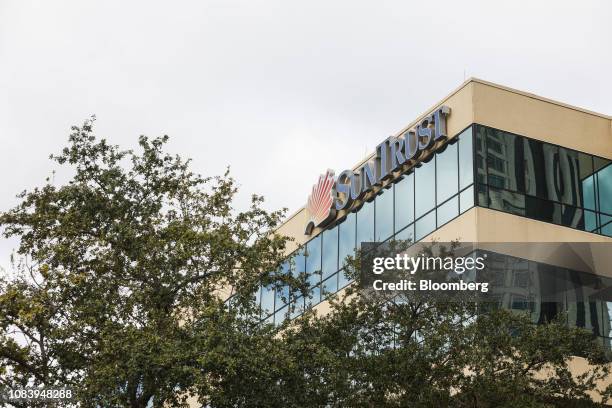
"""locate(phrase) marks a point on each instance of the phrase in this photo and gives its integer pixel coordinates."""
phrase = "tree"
(119, 273)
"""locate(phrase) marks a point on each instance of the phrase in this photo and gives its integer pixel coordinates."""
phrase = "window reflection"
(346, 243)
(541, 161)
(384, 214)
(466, 199)
(365, 223)
(466, 162)
(267, 300)
(313, 260)
(448, 211)
(425, 225)
(446, 173)
(330, 285)
(425, 188)
(329, 252)
(560, 185)
(404, 202)
(604, 182)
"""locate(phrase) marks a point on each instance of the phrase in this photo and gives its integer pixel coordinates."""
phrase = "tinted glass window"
(425, 225)
(604, 182)
(574, 168)
(330, 252)
(507, 201)
(280, 316)
(590, 221)
(448, 211)
(404, 202)
(330, 285)
(572, 216)
(407, 234)
(313, 260)
(543, 210)
(466, 161)
(267, 301)
(425, 188)
(346, 238)
(588, 191)
(541, 164)
(343, 280)
(446, 173)
(480, 159)
(504, 160)
(365, 223)
(606, 225)
(314, 296)
(384, 214)
(466, 199)
(298, 263)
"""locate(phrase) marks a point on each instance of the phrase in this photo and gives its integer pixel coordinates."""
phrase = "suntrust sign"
(330, 195)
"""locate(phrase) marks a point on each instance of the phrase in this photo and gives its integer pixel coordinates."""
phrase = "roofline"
(459, 88)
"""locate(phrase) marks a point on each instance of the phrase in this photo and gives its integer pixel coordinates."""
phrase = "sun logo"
(320, 204)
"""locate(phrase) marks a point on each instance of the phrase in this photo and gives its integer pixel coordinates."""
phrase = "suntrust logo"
(321, 202)
(391, 156)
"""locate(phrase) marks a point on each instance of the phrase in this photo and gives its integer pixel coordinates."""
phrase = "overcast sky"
(290, 88)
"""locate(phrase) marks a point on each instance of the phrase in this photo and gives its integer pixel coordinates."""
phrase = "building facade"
(496, 165)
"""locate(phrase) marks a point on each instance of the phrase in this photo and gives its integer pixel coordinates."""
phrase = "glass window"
(404, 201)
(481, 170)
(590, 221)
(588, 191)
(572, 217)
(574, 167)
(466, 162)
(329, 252)
(447, 181)
(314, 296)
(425, 188)
(541, 163)
(346, 238)
(267, 301)
(505, 160)
(466, 199)
(604, 184)
(313, 260)
(365, 223)
(606, 225)
(298, 263)
(258, 297)
(280, 316)
(384, 215)
(425, 225)
(297, 308)
(407, 234)
(448, 211)
(343, 280)
(330, 285)
(282, 292)
(507, 201)
(543, 210)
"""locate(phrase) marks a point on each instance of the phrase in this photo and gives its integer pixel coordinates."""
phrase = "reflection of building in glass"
(548, 292)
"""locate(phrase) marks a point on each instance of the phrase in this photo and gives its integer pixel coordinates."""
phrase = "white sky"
(279, 90)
